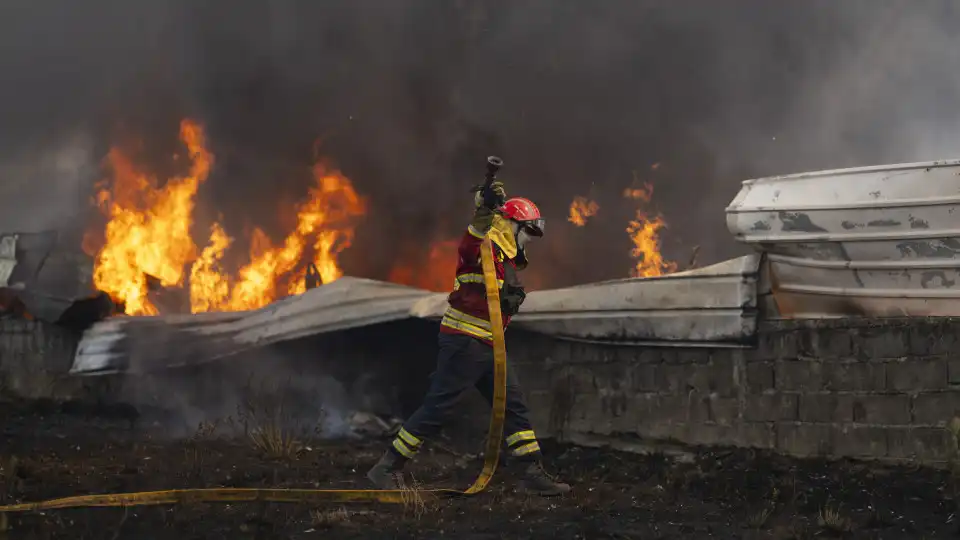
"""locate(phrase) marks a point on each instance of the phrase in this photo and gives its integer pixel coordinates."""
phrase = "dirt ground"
(49, 451)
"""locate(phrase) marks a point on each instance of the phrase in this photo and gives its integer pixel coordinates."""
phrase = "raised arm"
(486, 202)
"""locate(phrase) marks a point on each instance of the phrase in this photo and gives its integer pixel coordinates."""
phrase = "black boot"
(384, 474)
(534, 479)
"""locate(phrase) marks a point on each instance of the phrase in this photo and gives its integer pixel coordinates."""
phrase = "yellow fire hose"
(175, 496)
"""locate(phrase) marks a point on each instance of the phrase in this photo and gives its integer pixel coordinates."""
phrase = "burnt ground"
(62, 451)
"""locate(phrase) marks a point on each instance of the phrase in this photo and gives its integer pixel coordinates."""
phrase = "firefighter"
(465, 357)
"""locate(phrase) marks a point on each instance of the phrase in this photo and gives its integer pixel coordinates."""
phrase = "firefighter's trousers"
(464, 362)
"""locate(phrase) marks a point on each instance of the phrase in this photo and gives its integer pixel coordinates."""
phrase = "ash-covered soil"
(49, 451)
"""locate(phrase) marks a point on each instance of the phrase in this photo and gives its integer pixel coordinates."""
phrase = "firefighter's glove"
(510, 300)
(491, 198)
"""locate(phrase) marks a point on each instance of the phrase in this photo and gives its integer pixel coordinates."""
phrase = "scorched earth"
(49, 451)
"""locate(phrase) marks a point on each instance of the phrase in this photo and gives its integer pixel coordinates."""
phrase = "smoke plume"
(408, 97)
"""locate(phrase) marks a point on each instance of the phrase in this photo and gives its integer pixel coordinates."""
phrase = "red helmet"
(524, 212)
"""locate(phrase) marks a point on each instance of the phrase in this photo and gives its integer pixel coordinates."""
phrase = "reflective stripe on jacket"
(468, 313)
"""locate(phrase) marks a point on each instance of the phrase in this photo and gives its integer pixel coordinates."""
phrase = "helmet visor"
(534, 227)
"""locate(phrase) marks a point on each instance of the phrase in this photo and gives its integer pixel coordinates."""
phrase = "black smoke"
(409, 97)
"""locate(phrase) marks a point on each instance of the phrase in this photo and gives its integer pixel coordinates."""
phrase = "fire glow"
(435, 273)
(148, 234)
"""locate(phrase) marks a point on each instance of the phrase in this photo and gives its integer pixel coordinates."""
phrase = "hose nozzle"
(493, 165)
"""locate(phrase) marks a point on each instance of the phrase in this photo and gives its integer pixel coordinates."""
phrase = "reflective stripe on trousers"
(464, 363)
(406, 444)
(523, 443)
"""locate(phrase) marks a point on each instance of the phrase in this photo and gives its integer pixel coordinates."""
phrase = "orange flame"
(327, 217)
(209, 288)
(149, 226)
(644, 231)
(148, 234)
(644, 193)
(580, 209)
(436, 272)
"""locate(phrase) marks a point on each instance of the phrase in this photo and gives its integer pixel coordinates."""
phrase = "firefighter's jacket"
(467, 312)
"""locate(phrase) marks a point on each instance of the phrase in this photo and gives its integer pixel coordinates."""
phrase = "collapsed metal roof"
(874, 241)
(715, 306)
(8, 258)
(139, 344)
(50, 276)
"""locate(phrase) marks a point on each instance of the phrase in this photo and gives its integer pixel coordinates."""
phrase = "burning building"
(886, 237)
(148, 251)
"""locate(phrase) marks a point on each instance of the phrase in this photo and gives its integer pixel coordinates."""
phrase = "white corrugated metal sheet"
(116, 343)
(8, 258)
(48, 271)
(148, 343)
(345, 303)
(102, 349)
(872, 241)
(712, 305)
(715, 305)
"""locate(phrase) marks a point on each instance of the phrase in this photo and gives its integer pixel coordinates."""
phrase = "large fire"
(580, 209)
(325, 227)
(644, 231)
(149, 228)
(147, 244)
(148, 238)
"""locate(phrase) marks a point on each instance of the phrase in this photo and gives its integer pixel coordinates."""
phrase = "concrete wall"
(857, 388)
(35, 358)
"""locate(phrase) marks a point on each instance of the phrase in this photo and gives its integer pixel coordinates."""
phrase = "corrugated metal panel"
(430, 307)
(115, 344)
(33, 251)
(345, 303)
(102, 349)
(8, 258)
(711, 305)
(873, 241)
(150, 343)
(49, 273)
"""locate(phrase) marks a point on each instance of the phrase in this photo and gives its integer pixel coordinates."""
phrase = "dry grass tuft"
(329, 518)
(413, 498)
(268, 426)
(193, 459)
(759, 520)
(953, 459)
(206, 430)
(10, 483)
(954, 455)
(832, 520)
(274, 441)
